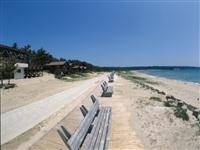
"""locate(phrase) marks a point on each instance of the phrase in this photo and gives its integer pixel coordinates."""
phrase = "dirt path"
(17, 121)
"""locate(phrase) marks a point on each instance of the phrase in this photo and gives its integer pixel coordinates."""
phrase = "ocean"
(188, 74)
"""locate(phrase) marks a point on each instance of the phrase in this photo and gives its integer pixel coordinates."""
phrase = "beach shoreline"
(187, 91)
(168, 78)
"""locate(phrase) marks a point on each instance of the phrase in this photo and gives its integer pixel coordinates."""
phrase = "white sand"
(186, 91)
(33, 89)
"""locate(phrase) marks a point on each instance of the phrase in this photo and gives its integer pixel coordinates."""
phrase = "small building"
(65, 67)
(19, 71)
(61, 66)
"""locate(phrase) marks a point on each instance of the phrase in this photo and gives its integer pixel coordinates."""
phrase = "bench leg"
(84, 108)
(66, 132)
(83, 111)
(93, 98)
(63, 137)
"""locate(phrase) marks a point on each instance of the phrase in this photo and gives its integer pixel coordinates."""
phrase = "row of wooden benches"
(93, 131)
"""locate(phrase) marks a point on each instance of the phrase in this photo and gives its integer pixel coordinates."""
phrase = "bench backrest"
(112, 74)
(104, 87)
(75, 141)
(110, 78)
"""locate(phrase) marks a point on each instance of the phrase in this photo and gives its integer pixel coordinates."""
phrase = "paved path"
(16, 122)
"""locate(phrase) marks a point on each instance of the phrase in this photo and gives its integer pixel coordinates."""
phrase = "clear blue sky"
(106, 33)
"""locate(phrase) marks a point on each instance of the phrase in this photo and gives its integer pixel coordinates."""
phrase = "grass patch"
(138, 78)
(167, 104)
(158, 99)
(8, 86)
(198, 126)
(1, 86)
(151, 82)
(75, 77)
(181, 113)
(170, 104)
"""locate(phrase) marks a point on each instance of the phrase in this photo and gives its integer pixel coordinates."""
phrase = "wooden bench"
(107, 90)
(93, 131)
(111, 77)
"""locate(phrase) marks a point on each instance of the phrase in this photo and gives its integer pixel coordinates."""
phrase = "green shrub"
(58, 74)
(181, 113)
(167, 104)
(8, 86)
(158, 99)
(137, 78)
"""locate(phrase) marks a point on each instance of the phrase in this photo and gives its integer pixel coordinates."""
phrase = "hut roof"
(56, 63)
(21, 65)
(75, 67)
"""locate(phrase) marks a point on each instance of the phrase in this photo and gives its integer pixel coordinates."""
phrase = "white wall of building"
(19, 71)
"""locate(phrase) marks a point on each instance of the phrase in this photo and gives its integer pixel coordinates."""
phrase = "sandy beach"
(140, 118)
(34, 89)
(156, 124)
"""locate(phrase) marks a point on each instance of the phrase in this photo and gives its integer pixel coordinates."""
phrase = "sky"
(107, 32)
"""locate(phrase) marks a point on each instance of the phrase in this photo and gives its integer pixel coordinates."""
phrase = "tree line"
(34, 57)
(41, 57)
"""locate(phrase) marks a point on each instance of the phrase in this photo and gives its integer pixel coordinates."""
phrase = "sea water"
(185, 74)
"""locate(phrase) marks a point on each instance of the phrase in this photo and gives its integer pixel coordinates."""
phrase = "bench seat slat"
(100, 133)
(89, 137)
(95, 130)
(105, 131)
(109, 129)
